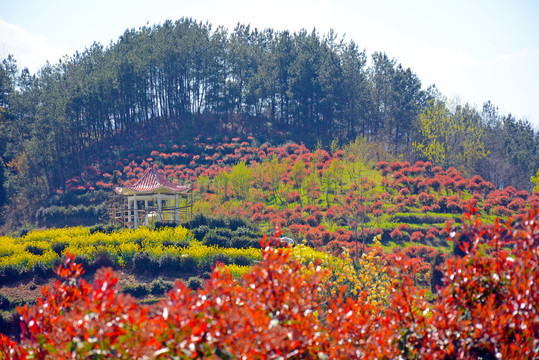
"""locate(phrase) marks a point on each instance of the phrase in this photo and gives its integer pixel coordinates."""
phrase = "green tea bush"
(32, 249)
(159, 287)
(200, 231)
(170, 264)
(142, 262)
(41, 270)
(242, 260)
(222, 258)
(138, 290)
(195, 283)
(188, 264)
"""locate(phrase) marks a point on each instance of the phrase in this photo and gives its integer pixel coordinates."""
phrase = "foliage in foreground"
(488, 309)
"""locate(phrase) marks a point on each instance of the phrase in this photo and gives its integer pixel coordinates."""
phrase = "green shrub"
(138, 290)
(142, 262)
(195, 283)
(198, 220)
(188, 264)
(103, 259)
(83, 260)
(58, 247)
(200, 231)
(215, 238)
(104, 228)
(222, 258)
(159, 287)
(242, 260)
(170, 264)
(244, 242)
(205, 264)
(178, 244)
(244, 231)
(35, 250)
(236, 222)
(41, 270)
(5, 303)
(161, 225)
(10, 323)
(10, 273)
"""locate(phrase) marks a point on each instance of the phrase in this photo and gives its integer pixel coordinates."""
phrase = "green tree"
(310, 186)
(332, 179)
(221, 184)
(450, 139)
(240, 180)
(267, 176)
(298, 173)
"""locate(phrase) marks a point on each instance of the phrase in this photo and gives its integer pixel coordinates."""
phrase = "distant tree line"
(302, 85)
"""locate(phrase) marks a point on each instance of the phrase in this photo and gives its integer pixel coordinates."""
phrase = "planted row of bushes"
(159, 287)
(417, 218)
(168, 250)
(60, 216)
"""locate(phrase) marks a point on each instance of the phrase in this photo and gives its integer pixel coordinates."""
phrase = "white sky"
(475, 50)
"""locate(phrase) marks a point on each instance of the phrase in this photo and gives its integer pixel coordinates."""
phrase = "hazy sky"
(471, 49)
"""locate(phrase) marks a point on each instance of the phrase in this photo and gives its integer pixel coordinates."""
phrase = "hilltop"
(184, 78)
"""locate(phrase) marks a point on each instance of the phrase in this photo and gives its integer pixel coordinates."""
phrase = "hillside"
(308, 193)
(329, 201)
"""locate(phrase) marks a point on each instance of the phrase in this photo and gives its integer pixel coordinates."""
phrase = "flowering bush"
(487, 309)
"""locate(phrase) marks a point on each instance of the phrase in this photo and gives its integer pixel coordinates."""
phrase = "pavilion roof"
(152, 182)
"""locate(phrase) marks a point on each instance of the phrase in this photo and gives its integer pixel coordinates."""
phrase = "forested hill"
(190, 78)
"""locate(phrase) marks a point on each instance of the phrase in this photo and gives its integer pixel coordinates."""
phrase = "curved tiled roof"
(151, 181)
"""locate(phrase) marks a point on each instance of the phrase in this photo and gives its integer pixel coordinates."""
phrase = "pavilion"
(151, 198)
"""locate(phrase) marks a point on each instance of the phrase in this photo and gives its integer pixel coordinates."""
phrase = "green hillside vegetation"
(182, 79)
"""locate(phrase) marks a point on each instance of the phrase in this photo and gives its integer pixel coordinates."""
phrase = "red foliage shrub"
(435, 184)
(385, 196)
(312, 221)
(417, 236)
(310, 209)
(453, 206)
(403, 227)
(256, 217)
(488, 308)
(392, 210)
(522, 194)
(395, 166)
(377, 205)
(501, 211)
(404, 192)
(293, 196)
(442, 202)
(396, 235)
(411, 201)
(398, 175)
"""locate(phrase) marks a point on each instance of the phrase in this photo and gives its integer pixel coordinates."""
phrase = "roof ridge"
(152, 180)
